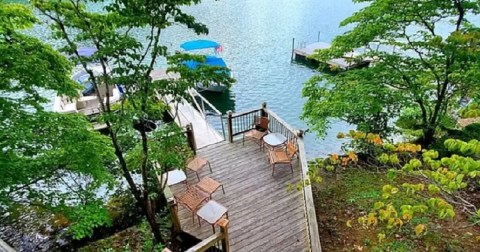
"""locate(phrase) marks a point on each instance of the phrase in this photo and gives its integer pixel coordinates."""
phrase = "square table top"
(174, 177)
(212, 211)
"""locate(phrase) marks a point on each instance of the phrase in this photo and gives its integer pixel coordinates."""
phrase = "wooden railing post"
(230, 126)
(191, 138)
(172, 206)
(223, 223)
(263, 112)
(300, 133)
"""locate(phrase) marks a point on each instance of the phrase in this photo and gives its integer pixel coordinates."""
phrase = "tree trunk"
(149, 207)
(150, 214)
(428, 137)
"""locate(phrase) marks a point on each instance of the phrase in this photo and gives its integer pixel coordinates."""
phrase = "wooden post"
(172, 206)
(191, 138)
(230, 126)
(293, 50)
(300, 133)
(263, 112)
(223, 223)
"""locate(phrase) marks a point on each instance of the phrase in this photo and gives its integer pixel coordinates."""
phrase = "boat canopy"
(199, 44)
(86, 51)
(209, 61)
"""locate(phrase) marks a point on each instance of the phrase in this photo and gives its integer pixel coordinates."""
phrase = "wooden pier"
(263, 213)
(184, 114)
(304, 53)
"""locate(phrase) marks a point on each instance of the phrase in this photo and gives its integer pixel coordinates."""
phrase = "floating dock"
(344, 63)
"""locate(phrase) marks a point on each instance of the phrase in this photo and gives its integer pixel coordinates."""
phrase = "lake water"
(257, 40)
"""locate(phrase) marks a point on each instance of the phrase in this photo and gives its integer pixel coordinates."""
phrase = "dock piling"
(293, 50)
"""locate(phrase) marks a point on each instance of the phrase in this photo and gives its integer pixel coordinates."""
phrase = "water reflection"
(224, 101)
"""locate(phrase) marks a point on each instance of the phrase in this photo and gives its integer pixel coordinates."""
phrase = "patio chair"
(258, 131)
(197, 163)
(282, 156)
(209, 186)
(192, 199)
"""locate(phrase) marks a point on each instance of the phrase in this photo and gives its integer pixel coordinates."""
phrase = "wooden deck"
(264, 215)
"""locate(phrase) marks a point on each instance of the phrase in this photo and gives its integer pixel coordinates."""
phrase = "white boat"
(87, 103)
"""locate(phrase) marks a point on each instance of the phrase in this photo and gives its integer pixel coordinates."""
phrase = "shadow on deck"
(264, 215)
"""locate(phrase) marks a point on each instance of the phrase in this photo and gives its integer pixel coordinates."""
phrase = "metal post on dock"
(318, 36)
(230, 126)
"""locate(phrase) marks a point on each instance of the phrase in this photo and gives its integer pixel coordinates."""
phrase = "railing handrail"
(194, 93)
(200, 109)
(206, 243)
(312, 225)
(281, 121)
(234, 115)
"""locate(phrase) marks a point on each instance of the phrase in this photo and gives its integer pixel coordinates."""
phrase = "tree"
(425, 59)
(112, 31)
(42, 151)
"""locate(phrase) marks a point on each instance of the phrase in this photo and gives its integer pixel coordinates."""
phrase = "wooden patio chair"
(258, 131)
(192, 199)
(209, 186)
(282, 156)
(197, 163)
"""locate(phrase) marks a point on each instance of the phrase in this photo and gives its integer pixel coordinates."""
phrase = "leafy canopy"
(426, 58)
(55, 162)
(116, 32)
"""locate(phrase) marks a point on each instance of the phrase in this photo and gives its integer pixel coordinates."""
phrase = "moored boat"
(210, 60)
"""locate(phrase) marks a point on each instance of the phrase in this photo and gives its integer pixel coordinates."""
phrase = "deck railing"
(200, 103)
(215, 242)
(241, 122)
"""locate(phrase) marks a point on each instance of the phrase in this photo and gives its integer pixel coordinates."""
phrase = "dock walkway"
(264, 215)
(184, 113)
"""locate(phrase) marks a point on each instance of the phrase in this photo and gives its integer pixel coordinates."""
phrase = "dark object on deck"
(186, 241)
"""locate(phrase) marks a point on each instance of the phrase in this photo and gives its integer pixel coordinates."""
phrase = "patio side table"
(212, 212)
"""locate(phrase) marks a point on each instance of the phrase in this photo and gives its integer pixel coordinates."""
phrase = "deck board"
(264, 215)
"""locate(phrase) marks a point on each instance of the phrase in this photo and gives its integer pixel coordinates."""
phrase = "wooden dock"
(184, 113)
(343, 63)
(264, 215)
